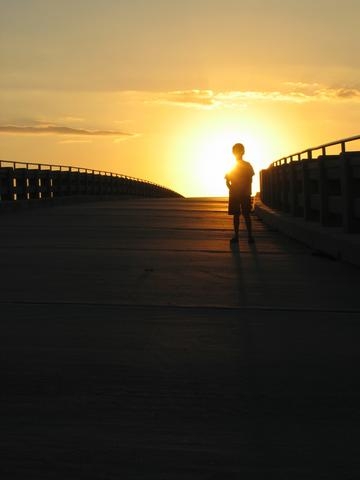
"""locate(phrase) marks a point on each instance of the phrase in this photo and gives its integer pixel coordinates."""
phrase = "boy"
(238, 181)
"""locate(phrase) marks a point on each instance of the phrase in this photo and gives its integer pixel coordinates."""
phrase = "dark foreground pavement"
(136, 344)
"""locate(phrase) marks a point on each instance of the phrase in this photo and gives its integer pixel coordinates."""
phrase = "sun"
(214, 159)
(203, 152)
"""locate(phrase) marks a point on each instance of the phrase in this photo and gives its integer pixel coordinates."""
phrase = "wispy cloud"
(60, 130)
(71, 141)
(289, 93)
(192, 98)
(70, 119)
(317, 91)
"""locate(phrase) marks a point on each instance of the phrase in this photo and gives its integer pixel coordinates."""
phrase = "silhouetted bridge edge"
(322, 240)
(316, 200)
(35, 183)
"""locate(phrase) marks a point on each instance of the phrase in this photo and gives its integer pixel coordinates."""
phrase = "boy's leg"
(236, 222)
(249, 227)
(246, 213)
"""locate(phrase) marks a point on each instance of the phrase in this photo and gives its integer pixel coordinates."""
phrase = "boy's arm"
(228, 183)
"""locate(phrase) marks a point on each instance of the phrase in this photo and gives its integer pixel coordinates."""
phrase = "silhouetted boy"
(238, 181)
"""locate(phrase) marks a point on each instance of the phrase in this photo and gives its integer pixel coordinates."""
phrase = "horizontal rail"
(325, 189)
(39, 181)
(296, 157)
(69, 168)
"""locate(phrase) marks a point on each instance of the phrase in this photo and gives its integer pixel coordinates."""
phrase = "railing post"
(21, 180)
(323, 192)
(306, 190)
(263, 188)
(33, 184)
(277, 188)
(346, 193)
(6, 184)
(292, 188)
(46, 184)
(273, 187)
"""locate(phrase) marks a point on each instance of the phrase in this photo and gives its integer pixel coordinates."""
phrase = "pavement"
(138, 343)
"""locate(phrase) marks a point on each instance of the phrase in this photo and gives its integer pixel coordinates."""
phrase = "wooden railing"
(20, 181)
(324, 189)
(309, 152)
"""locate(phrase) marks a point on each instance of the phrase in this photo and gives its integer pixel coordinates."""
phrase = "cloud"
(315, 92)
(60, 130)
(194, 98)
(347, 93)
(209, 100)
(291, 92)
(73, 140)
(70, 119)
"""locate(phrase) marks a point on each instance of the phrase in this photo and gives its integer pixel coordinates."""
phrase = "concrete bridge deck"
(137, 344)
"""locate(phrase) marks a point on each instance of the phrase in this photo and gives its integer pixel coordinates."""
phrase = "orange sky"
(161, 90)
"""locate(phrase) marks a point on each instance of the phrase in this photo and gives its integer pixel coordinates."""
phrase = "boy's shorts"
(239, 204)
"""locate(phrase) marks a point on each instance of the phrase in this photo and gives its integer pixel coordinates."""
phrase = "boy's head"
(238, 150)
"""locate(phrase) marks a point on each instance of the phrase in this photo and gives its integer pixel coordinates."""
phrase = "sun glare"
(203, 151)
(214, 158)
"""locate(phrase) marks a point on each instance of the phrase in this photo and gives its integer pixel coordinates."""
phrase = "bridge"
(137, 342)
(30, 183)
(316, 199)
(325, 189)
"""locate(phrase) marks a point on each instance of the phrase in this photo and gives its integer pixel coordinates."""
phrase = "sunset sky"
(161, 89)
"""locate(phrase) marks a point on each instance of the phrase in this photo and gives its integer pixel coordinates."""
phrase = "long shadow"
(251, 374)
(243, 283)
